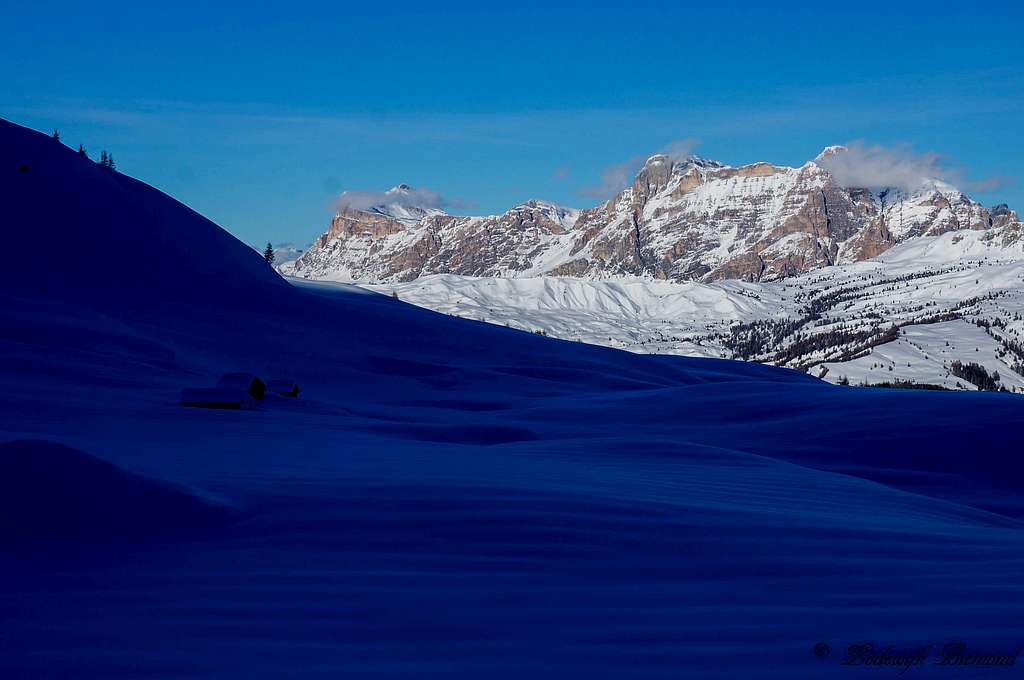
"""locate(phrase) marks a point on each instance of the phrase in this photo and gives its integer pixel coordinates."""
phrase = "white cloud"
(403, 196)
(681, 149)
(873, 166)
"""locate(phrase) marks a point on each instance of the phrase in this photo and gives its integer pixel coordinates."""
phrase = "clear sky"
(258, 116)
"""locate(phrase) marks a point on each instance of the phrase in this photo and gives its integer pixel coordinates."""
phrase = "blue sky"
(260, 116)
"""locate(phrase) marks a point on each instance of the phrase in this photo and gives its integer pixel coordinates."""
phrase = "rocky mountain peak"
(653, 177)
(657, 160)
(829, 151)
(681, 218)
(560, 215)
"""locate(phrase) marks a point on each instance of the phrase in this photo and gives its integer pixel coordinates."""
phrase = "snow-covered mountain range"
(762, 262)
(687, 219)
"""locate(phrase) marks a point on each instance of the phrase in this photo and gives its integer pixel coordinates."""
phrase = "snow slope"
(971, 277)
(454, 499)
(654, 317)
(65, 212)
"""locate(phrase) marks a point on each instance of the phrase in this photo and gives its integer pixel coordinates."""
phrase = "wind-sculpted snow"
(454, 499)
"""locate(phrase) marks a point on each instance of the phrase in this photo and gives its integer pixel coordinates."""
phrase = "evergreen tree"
(81, 151)
(268, 253)
(56, 134)
(107, 160)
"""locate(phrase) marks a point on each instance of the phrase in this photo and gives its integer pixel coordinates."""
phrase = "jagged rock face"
(683, 220)
(1001, 215)
(349, 224)
(375, 247)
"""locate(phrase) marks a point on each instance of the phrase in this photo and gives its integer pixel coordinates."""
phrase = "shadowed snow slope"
(52, 493)
(449, 498)
(86, 229)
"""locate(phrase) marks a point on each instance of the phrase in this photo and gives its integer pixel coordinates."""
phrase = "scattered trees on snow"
(977, 375)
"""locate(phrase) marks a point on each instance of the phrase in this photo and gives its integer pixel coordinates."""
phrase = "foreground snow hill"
(447, 497)
(65, 212)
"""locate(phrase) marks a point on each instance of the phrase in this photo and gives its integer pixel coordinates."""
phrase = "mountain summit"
(403, 203)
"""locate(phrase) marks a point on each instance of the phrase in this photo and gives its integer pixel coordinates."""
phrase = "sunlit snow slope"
(955, 297)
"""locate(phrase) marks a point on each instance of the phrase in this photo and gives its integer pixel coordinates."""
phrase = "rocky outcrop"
(692, 219)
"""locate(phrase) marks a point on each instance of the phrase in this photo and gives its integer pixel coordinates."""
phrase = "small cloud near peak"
(874, 166)
(402, 195)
